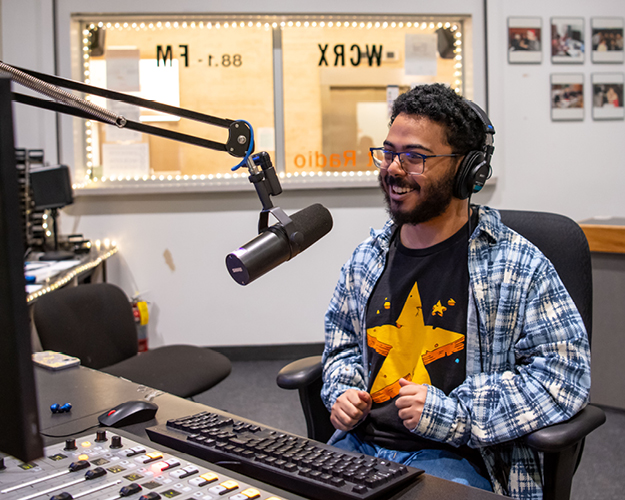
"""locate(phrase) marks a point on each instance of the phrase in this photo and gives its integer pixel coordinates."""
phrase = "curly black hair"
(464, 130)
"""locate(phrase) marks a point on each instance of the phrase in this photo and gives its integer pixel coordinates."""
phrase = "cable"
(470, 218)
(486, 90)
(71, 433)
(55, 40)
(477, 312)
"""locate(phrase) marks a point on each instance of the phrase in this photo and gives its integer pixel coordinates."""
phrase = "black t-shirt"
(416, 327)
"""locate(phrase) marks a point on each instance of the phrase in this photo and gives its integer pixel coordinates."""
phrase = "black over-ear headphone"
(475, 168)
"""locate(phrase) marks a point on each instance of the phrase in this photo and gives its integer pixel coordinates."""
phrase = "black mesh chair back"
(92, 322)
(564, 243)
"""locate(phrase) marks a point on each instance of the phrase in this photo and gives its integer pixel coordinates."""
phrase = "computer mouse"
(130, 412)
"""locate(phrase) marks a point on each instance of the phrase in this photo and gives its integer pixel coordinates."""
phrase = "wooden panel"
(605, 238)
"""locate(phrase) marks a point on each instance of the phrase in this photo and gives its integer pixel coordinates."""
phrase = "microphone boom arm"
(239, 137)
(240, 141)
(128, 124)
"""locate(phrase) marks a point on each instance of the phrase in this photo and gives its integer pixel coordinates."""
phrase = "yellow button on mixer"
(225, 487)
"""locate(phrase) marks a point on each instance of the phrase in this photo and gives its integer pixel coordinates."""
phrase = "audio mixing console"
(113, 465)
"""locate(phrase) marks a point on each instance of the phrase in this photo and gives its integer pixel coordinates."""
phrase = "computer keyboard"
(293, 463)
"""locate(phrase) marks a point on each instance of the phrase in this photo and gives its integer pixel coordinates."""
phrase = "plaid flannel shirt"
(534, 350)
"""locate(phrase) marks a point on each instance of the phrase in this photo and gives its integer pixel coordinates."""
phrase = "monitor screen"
(19, 421)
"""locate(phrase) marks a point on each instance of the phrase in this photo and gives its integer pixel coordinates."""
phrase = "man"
(449, 336)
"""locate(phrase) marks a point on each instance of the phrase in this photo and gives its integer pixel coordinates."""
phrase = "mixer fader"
(112, 466)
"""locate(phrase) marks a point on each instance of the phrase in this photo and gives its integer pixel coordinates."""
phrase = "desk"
(605, 234)
(85, 264)
(606, 238)
(92, 392)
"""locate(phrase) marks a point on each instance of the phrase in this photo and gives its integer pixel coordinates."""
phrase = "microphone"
(279, 243)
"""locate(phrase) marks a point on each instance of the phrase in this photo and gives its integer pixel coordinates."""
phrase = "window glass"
(341, 76)
(317, 91)
(222, 69)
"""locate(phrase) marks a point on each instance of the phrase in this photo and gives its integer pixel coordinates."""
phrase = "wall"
(0, 30)
(173, 246)
(575, 168)
(27, 35)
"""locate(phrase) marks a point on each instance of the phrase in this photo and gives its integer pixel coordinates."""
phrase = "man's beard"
(433, 205)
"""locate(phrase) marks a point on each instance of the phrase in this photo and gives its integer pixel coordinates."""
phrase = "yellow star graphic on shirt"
(438, 309)
(408, 345)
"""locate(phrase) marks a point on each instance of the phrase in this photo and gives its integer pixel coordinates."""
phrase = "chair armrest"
(558, 437)
(300, 373)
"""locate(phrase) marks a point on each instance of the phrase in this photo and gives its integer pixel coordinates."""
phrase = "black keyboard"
(293, 463)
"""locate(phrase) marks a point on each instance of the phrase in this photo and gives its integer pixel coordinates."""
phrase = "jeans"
(439, 463)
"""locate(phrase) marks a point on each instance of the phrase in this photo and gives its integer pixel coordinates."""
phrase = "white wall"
(26, 34)
(0, 30)
(575, 168)
(571, 168)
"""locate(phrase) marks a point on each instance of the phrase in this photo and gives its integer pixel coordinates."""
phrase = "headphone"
(475, 168)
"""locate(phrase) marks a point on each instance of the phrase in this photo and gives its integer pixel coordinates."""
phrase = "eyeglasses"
(412, 163)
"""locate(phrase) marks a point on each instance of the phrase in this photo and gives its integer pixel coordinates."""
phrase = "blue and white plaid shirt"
(534, 350)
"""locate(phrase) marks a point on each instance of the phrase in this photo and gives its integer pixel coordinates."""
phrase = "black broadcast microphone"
(279, 243)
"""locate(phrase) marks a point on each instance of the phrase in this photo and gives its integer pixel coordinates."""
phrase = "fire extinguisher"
(141, 314)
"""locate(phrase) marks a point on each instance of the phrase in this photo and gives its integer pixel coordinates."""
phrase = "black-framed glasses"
(412, 163)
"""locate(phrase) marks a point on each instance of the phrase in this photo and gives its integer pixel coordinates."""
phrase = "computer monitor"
(52, 187)
(19, 420)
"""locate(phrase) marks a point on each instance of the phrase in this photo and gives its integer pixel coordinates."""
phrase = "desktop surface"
(605, 234)
(46, 276)
(91, 393)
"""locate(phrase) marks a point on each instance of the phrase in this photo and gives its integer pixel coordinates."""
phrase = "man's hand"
(349, 409)
(410, 402)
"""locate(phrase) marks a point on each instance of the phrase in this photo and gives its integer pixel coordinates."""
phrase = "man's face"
(413, 199)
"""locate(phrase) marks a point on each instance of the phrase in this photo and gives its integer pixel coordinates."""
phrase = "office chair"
(94, 322)
(564, 243)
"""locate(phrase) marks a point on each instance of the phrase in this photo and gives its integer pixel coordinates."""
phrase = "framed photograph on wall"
(524, 40)
(567, 96)
(607, 39)
(607, 96)
(567, 40)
